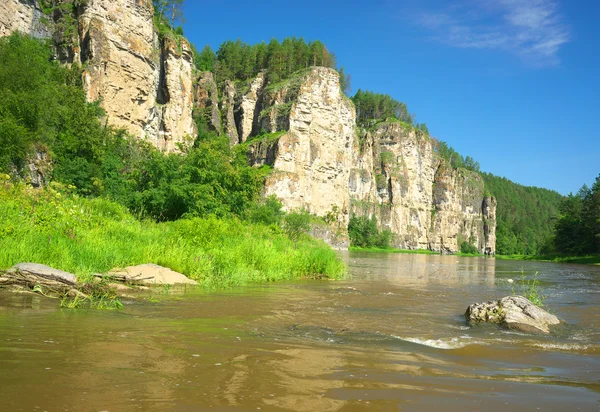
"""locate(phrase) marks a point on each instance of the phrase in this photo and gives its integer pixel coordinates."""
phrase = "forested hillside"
(525, 216)
(578, 226)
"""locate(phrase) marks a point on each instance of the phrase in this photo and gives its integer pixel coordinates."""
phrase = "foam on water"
(453, 343)
(563, 346)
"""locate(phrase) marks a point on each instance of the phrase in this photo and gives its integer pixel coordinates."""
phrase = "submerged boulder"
(512, 312)
(151, 274)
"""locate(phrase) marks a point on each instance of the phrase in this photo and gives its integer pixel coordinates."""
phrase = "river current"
(391, 337)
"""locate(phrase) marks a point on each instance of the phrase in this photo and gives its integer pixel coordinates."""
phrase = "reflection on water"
(391, 337)
(422, 270)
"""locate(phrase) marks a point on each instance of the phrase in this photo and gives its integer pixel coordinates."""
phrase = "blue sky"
(513, 83)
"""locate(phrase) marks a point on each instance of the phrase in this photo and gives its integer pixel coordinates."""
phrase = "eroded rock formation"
(24, 16)
(312, 160)
(322, 163)
(144, 86)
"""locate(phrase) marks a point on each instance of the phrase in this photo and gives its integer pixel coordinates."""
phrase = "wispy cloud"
(533, 29)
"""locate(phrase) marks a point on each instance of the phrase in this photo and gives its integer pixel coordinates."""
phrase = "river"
(392, 337)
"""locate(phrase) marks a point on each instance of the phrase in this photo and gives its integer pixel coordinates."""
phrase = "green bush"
(468, 248)
(295, 224)
(363, 232)
(267, 211)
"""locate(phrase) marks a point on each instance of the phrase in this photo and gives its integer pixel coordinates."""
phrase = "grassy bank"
(86, 236)
(588, 260)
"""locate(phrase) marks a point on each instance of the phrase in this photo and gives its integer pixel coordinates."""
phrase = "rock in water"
(512, 312)
(150, 274)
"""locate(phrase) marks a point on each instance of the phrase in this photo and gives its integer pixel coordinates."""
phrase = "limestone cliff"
(144, 85)
(25, 16)
(312, 160)
(324, 164)
(417, 196)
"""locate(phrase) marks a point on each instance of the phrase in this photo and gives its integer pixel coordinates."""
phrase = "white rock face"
(401, 181)
(122, 54)
(177, 120)
(24, 16)
(227, 108)
(315, 156)
(393, 174)
(249, 108)
(145, 88)
(394, 183)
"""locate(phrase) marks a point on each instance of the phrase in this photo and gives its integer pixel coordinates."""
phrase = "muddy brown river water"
(391, 337)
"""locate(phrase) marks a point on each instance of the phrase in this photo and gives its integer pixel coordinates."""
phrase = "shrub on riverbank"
(84, 236)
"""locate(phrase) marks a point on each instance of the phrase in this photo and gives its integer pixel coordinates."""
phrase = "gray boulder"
(45, 272)
(512, 312)
(38, 278)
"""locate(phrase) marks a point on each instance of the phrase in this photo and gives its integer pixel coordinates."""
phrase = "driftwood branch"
(122, 278)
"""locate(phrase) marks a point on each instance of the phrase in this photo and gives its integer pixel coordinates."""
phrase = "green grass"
(530, 289)
(588, 260)
(393, 250)
(86, 236)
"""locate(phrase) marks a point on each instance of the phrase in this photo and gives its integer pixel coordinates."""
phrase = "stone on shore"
(512, 312)
(151, 274)
(38, 278)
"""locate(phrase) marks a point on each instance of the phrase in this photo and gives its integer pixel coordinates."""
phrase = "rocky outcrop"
(227, 112)
(206, 101)
(512, 312)
(24, 16)
(249, 109)
(177, 122)
(425, 203)
(489, 225)
(392, 172)
(313, 158)
(38, 167)
(393, 181)
(145, 87)
(457, 210)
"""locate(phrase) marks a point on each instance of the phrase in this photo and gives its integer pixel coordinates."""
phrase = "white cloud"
(533, 29)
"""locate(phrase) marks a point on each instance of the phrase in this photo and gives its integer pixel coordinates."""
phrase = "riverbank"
(408, 251)
(587, 260)
(85, 236)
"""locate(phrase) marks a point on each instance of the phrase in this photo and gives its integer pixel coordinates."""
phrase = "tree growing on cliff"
(171, 10)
